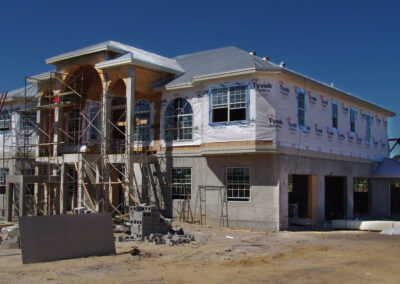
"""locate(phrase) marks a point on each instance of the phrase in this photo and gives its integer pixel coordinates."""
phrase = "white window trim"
(226, 184)
(228, 103)
(178, 129)
(191, 182)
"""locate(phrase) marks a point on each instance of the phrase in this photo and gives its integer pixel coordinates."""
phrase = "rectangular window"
(229, 104)
(301, 108)
(353, 119)
(335, 115)
(5, 120)
(28, 120)
(181, 183)
(238, 184)
(367, 128)
(360, 184)
(3, 173)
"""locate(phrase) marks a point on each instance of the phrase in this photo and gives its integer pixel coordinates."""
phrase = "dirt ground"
(229, 256)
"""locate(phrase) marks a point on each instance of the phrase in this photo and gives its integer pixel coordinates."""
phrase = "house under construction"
(219, 136)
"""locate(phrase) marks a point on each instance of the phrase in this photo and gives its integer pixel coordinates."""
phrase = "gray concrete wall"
(380, 198)
(260, 213)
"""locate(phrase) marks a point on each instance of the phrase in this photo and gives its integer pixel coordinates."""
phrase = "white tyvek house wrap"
(196, 104)
(203, 130)
(273, 117)
(319, 135)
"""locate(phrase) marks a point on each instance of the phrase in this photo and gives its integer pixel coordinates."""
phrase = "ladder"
(224, 207)
(186, 211)
(3, 98)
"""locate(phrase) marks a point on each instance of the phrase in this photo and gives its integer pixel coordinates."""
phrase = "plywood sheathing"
(219, 145)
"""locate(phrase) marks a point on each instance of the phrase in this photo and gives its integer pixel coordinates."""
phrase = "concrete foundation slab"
(48, 238)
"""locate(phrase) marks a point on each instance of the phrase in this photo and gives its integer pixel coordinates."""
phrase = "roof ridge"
(203, 51)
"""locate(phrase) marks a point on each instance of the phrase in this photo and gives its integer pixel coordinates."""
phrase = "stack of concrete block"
(146, 220)
(10, 237)
(82, 210)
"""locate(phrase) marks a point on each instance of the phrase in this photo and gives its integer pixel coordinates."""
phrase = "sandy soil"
(284, 257)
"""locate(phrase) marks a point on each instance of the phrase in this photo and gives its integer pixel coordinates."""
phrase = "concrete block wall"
(260, 213)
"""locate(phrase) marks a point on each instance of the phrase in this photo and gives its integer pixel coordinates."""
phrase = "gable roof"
(128, 55)
(216, 61)
(32, 94)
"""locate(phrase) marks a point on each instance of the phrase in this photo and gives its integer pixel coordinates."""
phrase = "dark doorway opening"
(335, 198)
(395, 200)
(361, 196)
(298, 196)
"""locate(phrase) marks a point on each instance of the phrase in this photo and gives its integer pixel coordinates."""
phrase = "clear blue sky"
(355, 44)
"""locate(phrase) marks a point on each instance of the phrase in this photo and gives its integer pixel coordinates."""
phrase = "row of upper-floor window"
(352, 122)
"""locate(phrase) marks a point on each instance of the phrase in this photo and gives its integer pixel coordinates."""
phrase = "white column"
(129, 129)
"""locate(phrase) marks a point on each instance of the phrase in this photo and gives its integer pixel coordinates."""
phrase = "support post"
(22, 197)
(349, 197)
(130, 122)
(105, 145)
(63, 191)
(57, 119)
(9, 198)
(320, 200)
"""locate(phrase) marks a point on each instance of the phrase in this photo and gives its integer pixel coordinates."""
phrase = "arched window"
(142, 121)
(74, 127)
(178, 120)
(94, 120)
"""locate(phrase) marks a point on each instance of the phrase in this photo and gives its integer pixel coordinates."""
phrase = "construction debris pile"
(10, 237)
(147, 224)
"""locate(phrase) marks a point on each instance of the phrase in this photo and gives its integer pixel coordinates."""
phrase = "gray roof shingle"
(216, 61)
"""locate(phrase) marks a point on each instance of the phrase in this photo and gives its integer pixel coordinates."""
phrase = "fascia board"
(132, 61)
(199, 79)
(73, 54)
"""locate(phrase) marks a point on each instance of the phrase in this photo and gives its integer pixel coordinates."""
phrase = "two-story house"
(221, 135)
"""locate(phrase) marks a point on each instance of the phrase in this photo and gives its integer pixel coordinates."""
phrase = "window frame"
(353, 110)
(229, 103)
(187, 195)
(3, 183)
(238, 199)
(178, 120)
(301, 92)
(335, 104)
(368, 122)
(94, 123)
(30, 126)
(147, 126)
(9, 113)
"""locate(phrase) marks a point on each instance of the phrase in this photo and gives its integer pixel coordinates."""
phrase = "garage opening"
(361, 196)
(395, 200)
(298, 196)
(335, 198)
